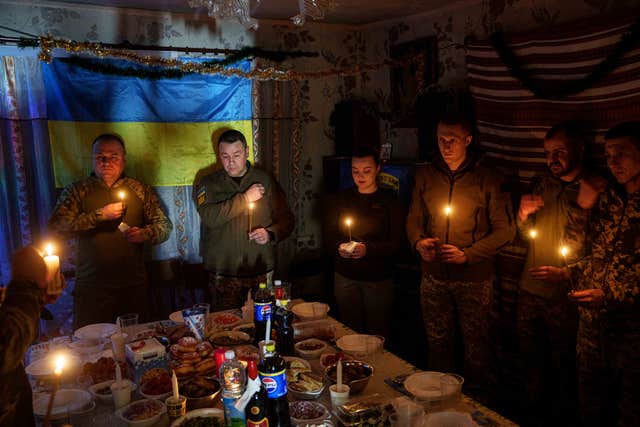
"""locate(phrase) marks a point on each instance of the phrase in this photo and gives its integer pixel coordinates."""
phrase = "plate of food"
(328, 359)
(355, 374)
(308, 413)
(247, 328)
(301, 381)
(142, 413)
(95, 331)
(201, 392)
(104, 369)
(224, 320)
(155, 384)
(230, 339)
(206, 417)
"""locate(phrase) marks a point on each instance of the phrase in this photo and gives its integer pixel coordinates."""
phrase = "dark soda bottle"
(262, 310)
(283, 321)
(256, 409)
(272, 372)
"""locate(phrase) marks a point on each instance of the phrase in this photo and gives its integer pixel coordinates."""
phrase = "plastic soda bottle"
(262, 310)
(232, 379)
(272, 372)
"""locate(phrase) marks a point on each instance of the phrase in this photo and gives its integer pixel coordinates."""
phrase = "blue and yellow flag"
(167, 124)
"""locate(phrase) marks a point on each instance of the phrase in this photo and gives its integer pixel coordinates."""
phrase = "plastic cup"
(176, 407)
(127, 322)
(118, 341)
(121, 391)
(339, 396)
(407, 413)
(451, 388)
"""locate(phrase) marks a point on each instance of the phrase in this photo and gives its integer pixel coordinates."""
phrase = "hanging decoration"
(314, 9)
(159, 67)
(226, 9)
(508, 57)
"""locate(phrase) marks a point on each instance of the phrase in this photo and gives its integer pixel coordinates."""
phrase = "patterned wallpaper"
(340, 46)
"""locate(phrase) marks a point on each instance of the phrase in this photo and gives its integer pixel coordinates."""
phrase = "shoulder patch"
(201, 195)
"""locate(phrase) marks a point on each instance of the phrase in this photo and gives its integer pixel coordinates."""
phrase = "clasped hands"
(115, 211)
(450, 254)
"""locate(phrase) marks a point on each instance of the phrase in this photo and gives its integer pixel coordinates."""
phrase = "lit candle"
(54, 284)
(447, 212)
(348, 222)
(533, 233)
(564, 251)
(174, 385)
(339, 375)
(57, 372)
(123, 225)
(252, 206)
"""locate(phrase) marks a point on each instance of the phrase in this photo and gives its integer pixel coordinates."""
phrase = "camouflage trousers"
(447, 304)
(547, 335)
(228, 292)
(608, 374)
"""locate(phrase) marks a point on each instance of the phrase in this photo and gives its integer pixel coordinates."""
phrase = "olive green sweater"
(224, 212)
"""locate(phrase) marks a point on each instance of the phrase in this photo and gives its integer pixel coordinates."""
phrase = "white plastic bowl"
(361, 346)
(310, 310)
(86, 346)
(106, 398)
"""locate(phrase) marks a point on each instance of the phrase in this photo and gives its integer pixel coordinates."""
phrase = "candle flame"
(447, 210)
(348, 221)
(564, 251)
(533, 233)
(252, 206)
(121, 195)
(60, 362)
(49, 249)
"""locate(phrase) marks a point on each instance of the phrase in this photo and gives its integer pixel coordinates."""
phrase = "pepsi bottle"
(273, 375)
(262, 309)
(283, 321)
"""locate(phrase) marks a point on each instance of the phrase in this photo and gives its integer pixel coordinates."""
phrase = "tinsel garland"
(628, 41)
(158, 67)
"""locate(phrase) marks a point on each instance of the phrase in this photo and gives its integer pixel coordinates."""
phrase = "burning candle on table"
(252, 206)
(57, 374)
(564, 251)
(447, 212)
(533, 233)
(54, 285)
(348, 223)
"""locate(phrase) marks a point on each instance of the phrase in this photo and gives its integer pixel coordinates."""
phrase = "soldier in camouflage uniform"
(547, 321)
(19, 316)
(457, 246)
(608, 298)
(110, 271)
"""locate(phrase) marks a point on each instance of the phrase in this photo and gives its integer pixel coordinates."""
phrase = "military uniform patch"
(201, 195)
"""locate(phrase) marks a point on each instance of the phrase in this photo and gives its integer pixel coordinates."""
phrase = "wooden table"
(386, 364)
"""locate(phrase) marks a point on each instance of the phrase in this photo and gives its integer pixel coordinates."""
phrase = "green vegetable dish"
(203, 422)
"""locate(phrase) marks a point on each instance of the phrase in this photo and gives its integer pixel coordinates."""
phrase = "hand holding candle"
(564, 251)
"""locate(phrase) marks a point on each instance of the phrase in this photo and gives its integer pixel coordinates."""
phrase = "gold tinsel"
(48, 43)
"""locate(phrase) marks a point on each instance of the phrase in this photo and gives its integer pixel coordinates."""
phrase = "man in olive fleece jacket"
(458, 220)
(237, 242)
(19, 317)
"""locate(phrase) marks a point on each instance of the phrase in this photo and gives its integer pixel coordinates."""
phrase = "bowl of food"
(328, 359)
(142, 413)
(201, 392)
(301, 382)
(310, 310)
(361, 346)
(206, 417)
(304, 412)
(229, 338)
(86, 346)
(434, 390)
(355, 374)
(311, 348)
(155, 384)
(101, 392)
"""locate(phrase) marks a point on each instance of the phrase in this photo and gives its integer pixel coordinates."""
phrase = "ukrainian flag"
(167, 124)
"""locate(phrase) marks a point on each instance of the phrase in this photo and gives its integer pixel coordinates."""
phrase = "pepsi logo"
(265, 309)
(270, 384)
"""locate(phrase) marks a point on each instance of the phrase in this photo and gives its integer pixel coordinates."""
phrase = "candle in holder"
(533, 233)
(447, 212)
(564, 251)
(54, 283)
(348, 223)
(252, 206)
(57, 374)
